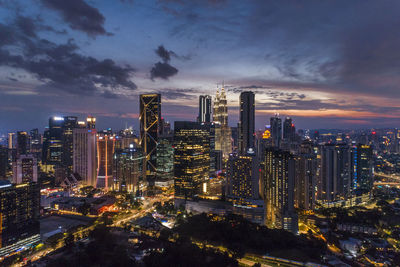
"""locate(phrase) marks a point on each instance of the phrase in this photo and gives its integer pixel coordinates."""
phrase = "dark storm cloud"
(173, 94)
(79, 15)
(163, 69)
(59, 66)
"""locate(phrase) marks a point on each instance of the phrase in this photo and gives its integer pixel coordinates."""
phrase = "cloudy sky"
(327, 64)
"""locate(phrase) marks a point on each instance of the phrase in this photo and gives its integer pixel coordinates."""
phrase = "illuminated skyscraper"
(246, 122)
(25, 169)
(223, 134)
(11, 140)
(204, 109)
(105, 152)
(278, 171)
(276, 130)
(243, 186)
(35, 143)
(84, 155)
(52, 143)
(19, 210)
(165, 162)
(191, 158)
(91, 122)
(150, 129)
(127, 169)
(362, 168)
(68, 126)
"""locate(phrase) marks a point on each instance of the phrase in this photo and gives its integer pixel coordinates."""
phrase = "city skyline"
(310, 61)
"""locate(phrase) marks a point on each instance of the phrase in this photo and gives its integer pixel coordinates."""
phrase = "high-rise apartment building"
(25, 169)
(84, 155)
(246, 122)
(19, 213)
(335, 177)
(204, 109)
(191, 159)
(278, 171)
(150, 129)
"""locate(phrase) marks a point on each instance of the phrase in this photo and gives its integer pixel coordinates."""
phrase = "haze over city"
(327, 64)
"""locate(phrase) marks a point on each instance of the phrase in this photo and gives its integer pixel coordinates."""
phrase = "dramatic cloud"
(79, 15)
(163, 69)
(59, 66)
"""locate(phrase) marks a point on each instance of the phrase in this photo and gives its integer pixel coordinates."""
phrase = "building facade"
(85, 155)
(246, 122)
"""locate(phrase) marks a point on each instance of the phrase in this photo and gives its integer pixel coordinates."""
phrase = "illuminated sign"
(58, 118)
(266, 134)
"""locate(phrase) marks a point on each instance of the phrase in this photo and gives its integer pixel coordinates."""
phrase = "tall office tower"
(276, 130)
(84, 155)
(52, 143)
(334, 181)
(105, 152)
(305, 182)
(126, 138)
(191, 159)
(246, 122)
(19, 210)
(91, 122)
(11, 140)
(3, 162)
(25, 169)
(127, 169)
(289, 130)
(35, 143)
(22, 143)
(362, 168)
(70, 123)
(165, 162)
(242, 186)
(223, 134)
(204, 109)
(150, 129)
(277, 179)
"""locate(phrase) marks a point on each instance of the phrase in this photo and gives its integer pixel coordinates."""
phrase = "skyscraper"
(22, 143)
(127, 169)
(276, 131)
(165, 162)
(3, 162)
(278, 171)
(52, 143)
(204, 109)
(68, 126)
(84, 155)
(91, 122)
(243, 186)
(334, 181)
(150, 128)
(362, 168)
(246, 122)
(25, 169)
(289, 130)
(223, 135)
(105, 153)
(191, 159)
(19, 213)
